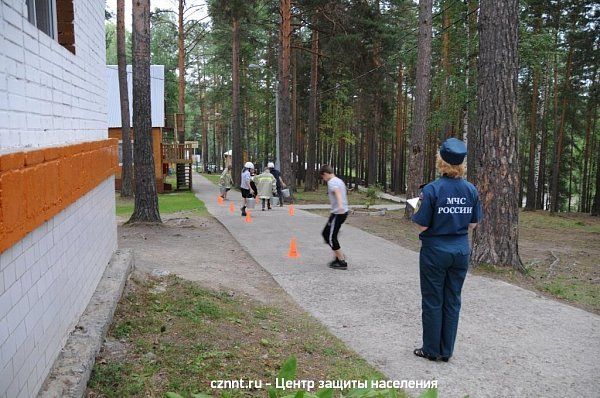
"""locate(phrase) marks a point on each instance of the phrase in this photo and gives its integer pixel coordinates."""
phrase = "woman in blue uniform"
(449, 208)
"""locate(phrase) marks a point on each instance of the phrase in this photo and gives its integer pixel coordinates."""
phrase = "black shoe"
(338, 264)
(444, 359)
(244, 211)
(263, 209)
(422, 354)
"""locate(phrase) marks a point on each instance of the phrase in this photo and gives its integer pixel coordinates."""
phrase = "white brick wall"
(48, 95)
(47, 280)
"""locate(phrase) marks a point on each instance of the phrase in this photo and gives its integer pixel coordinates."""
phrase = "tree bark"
(596, 205)
(285, 117)
(530, 200)
(127, 162)
(237, 157)
(423, 81)
(181, 69)
(559, 135)
(496, 239)
(541, 183)
(146, 199)
(472, 138)
(311, 174)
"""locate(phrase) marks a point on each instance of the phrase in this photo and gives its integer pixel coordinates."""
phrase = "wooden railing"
(177, 153)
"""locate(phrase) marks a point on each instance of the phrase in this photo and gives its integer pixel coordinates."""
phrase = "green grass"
(565, 221)
(214, 177)
(182, 338)
(320, 197)
(573, 290)
(167, 203)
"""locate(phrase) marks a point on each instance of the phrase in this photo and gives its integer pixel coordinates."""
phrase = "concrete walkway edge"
(72, 369)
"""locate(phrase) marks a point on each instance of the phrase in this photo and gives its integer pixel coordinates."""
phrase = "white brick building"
(57, 216)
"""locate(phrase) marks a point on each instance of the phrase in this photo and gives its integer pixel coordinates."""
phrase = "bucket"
(274, 201)
(250, 203)
(285, 192)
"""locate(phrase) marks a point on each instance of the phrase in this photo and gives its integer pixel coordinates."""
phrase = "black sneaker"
(243, 211)
(338, 264)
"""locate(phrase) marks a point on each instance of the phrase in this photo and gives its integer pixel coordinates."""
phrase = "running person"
(449, 208)
(336, 189)
(247, 191)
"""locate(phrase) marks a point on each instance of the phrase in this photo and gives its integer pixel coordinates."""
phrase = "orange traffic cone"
(220, 200)
(293, 252)
(291, 210)
(231, 208)
(248, 217)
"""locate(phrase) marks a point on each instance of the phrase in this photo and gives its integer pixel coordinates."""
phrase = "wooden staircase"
(181, 155)
(183, 174)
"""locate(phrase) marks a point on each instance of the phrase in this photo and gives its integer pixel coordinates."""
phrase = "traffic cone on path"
(231, 208)
(293, 252)
(220, 200)
(248, 217)
(291, 210)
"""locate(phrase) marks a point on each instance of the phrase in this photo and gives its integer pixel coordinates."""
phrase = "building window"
(55, 18)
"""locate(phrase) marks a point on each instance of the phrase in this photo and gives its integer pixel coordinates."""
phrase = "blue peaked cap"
(453, 151)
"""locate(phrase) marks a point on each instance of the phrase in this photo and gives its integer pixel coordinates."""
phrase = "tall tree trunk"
(531, 197)
(596, 205)
(285, 117)
(311, 177)
(204, 123)
(181, 69)
(473, 143)
(146, 199)
(446, 131)
(127, 162)
(530, 201)
(423, 81)
(496, 239)
(237, 157)
(541, 186)
(559, 134)
(590, 121)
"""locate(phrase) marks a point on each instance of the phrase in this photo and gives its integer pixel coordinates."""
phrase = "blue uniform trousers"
(442, 273)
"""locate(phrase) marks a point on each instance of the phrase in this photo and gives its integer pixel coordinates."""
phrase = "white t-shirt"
(245, 184)
(332, 185)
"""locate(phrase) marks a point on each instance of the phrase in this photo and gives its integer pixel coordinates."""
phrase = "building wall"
(48, 278)
(156, 152)
(49, 95)
(57, 210)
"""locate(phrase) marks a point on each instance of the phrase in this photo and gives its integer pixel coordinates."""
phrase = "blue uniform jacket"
(448, 206)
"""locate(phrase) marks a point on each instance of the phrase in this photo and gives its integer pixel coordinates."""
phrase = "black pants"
(331, 230)
(268, 203)
(280, 196)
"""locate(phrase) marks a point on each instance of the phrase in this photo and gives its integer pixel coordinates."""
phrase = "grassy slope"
(167, 203)
(181, 339)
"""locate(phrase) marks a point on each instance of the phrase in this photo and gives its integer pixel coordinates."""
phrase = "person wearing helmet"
(278, 180)
(265, 186)
(247, 191)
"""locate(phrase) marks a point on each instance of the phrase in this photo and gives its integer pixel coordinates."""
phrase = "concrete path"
(388, 207)
(511, 342)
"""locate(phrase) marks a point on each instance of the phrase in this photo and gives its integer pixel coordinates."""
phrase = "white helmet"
(271, 165)
(249, 165)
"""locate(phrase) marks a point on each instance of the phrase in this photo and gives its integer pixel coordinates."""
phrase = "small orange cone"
(293, 253)
(291, 210)
(231, 208)
(248, 217)
(220, 200)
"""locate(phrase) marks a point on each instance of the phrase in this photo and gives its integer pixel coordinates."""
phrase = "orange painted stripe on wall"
(36, 185)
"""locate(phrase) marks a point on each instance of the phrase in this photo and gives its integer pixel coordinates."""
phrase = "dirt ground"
(561, 253)
(199, 249)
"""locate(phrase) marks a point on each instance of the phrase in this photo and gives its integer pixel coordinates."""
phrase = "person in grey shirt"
(247, 191)
(338, 196)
